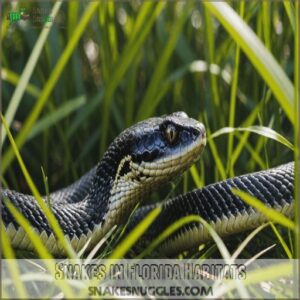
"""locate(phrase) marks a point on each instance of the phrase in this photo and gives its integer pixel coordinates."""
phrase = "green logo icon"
(16, 16)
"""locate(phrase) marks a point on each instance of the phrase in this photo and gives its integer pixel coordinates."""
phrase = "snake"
(139, 160)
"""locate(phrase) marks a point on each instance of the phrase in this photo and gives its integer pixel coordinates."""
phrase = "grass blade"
(266, 23)
(246, 241)
(233, 96)
(58, 69)
(196, 177)
(261, 130)
(290, 11)
(167, 232)
(272, 214)
(149, 101)
(178, 224)
(135, 234)
(216, 156)
(210, 37)
(14, 79)
(248, 122)
(8, 253)
(27, 71)
(57, 115)
(260, 57)
(282, 242)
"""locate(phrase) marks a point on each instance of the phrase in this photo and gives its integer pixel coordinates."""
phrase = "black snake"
(139, 160)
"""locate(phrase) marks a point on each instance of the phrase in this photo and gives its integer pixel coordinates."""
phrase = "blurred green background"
(102, 66)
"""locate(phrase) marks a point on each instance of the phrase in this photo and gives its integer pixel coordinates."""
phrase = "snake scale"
(138, 161)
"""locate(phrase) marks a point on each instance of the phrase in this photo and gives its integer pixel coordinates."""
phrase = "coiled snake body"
(139, 160)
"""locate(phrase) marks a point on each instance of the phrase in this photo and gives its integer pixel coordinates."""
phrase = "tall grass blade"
(14, 79)
(261, 130)
(196, 177)
(57, 115)
(216, 155)
(135, 234)
(291, 11)
(282, 242)
(8, 253)
(149, 101)
(85, 112)
(248, 122)
(96, 248)
(167, 232)
(257, 255)
(246, 241)
(112, 33)
(266, 24)
(255, 154)
(27, 71)
(233, 96)
(53, 78)
(260, 57)
(210, 37)
(272, 214)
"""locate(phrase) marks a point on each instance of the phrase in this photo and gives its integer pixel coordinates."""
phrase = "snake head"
(156, 150)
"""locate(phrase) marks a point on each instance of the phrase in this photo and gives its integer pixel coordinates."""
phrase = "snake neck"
(99, 195)
(111, 193)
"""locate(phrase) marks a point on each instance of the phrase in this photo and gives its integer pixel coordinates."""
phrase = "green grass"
(67, 92)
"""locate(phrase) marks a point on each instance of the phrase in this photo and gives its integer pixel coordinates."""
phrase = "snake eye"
(171, 133)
